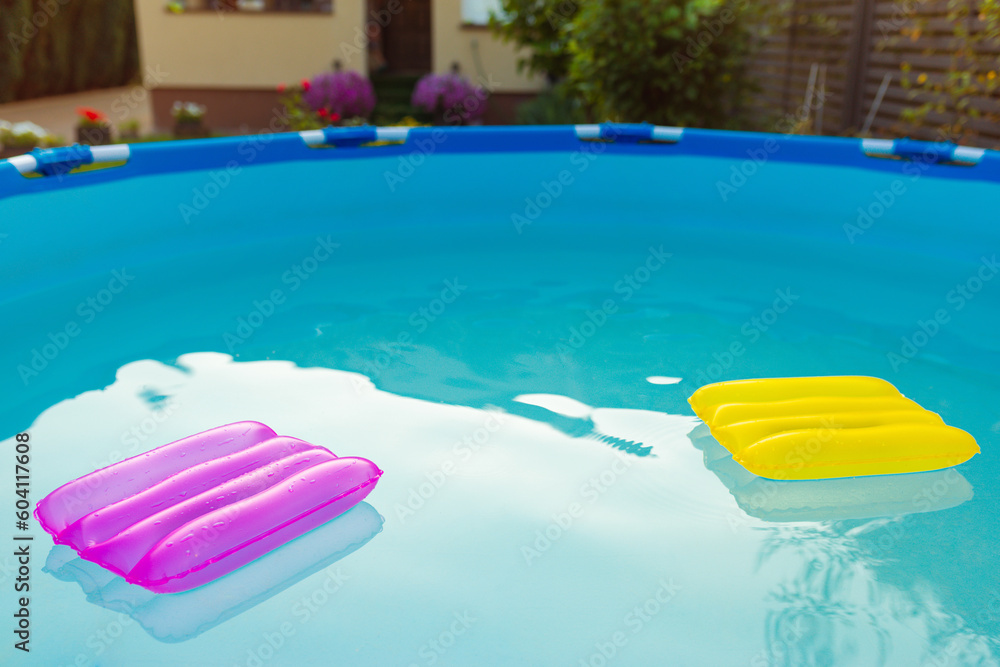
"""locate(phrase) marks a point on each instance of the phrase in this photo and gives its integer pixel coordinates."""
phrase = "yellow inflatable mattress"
(825, 427)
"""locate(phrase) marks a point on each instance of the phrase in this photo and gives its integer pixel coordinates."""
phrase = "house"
(231, 55)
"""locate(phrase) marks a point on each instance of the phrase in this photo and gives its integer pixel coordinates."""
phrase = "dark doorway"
(406, 40)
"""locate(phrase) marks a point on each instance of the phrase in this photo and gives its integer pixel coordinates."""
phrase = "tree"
(673, 62)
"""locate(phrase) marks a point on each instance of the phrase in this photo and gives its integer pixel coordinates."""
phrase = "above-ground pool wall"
(178, 197)
(231, 206)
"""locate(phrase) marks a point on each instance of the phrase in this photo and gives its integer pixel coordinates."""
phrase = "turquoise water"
(549, 497)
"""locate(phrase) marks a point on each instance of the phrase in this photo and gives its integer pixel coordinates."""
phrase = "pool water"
(548, 497)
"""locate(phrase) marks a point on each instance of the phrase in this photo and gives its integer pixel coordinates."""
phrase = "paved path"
(58, 114)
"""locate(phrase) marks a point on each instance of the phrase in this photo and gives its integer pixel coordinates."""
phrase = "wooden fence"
(883, 59)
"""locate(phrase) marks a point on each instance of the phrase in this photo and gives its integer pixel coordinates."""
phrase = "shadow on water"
(832, 499)
(178, 617)
(865, 572)
(578, 425)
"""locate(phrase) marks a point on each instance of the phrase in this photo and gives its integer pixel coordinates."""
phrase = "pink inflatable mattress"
(188, 512)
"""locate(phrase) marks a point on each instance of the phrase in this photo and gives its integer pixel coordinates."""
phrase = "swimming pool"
(509, 322)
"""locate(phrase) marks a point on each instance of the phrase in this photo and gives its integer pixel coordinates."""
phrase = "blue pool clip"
(627, 132)
(924, 151)
(346, 137)
(58, 161)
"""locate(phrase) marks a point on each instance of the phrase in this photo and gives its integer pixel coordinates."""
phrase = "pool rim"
(902, 157)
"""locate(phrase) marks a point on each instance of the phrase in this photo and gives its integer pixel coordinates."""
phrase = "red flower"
(323, 113)
(306, 85)
(334, 117)
(281, 87)
(93, 115)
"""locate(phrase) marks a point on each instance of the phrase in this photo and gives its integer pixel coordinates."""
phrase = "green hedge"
(50, 47)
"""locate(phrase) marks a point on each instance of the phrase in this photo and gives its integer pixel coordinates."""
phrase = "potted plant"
(189, 120)
(92, 128)
(450, 99)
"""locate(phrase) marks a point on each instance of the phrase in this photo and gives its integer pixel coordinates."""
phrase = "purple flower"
(346, 94)
(436, 93)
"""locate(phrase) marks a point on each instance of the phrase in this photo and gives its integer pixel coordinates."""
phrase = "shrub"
(671, 62)
(452, 97)
(555, 106)
(674, 62)
(341, 94)
(949, 103)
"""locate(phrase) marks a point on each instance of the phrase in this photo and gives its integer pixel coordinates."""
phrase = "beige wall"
(205, 48)
(453, 42)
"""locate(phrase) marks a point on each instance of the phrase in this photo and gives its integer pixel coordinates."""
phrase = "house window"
(477, 12)
(262, 5)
